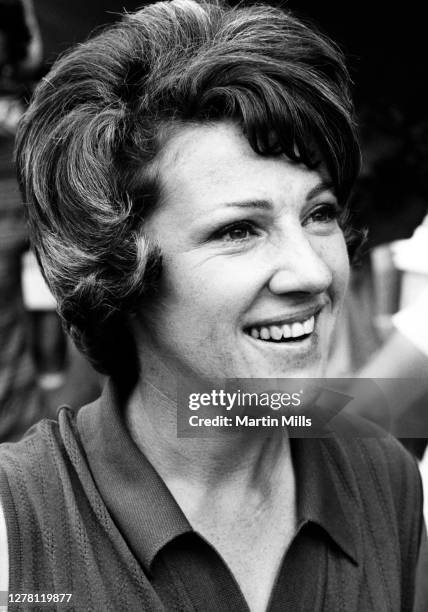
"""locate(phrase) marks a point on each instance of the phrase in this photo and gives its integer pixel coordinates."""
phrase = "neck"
(241, 460)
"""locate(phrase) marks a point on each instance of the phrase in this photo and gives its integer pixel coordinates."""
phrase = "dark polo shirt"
(187, 572)
(88, 515)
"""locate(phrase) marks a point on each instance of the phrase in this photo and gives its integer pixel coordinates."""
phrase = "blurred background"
(383, 333)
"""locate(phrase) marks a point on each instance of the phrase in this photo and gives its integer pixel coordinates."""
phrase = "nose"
(300, 266)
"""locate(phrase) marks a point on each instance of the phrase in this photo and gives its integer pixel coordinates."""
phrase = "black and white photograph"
(213, 287)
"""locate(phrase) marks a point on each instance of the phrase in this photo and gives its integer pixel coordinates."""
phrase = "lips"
(294, 328)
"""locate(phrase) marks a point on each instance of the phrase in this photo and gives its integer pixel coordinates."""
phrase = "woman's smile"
(254, 260)
(286, 328)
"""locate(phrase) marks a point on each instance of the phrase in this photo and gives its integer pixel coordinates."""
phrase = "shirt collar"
(137, 498)
(145, 510)
(324, 481)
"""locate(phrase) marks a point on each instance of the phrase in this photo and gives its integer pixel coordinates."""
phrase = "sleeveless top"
(63, 537)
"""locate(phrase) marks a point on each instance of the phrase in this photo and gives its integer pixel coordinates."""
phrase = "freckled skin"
(278, 258)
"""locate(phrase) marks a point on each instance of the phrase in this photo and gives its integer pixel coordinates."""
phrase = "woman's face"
(255, 265)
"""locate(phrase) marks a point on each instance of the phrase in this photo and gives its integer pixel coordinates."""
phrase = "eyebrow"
(267, 205)
(262, 204)
(320, 188)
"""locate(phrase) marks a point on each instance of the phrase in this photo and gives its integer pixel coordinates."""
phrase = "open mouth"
(287, 332)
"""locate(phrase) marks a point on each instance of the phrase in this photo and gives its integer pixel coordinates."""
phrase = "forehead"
(210, 165)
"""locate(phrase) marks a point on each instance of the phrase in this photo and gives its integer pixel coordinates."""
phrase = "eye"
(324, 213)
(237, 232)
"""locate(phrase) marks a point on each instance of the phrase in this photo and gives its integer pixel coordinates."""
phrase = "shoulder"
(38, 461)
(369, 446)
(376, 455)
(383, 484)
(23, 467)
(380, 491)
(38, 499)
(38, 440)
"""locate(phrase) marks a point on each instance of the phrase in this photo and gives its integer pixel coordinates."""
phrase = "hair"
(87, 145)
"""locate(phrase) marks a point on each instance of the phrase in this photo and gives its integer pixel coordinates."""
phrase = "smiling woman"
(186, 176)
(260, 243)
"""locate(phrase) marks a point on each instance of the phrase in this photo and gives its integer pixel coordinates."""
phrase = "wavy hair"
(87, 147)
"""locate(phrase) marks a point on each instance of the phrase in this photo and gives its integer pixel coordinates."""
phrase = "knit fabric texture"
(62, 538)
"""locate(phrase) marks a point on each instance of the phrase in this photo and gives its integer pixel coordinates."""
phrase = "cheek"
(206, 284)
(192, 298)
(334, 254)
(339, 265)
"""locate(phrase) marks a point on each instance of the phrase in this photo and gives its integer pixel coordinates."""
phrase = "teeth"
(309, 325)
(297, 330)
(275, 332)
(293, 330)
(286, 331)
(264, 333)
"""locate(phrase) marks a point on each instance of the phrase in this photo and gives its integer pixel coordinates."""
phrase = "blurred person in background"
(382, 335)
(20, 57)
(400, 363)
(36, 363)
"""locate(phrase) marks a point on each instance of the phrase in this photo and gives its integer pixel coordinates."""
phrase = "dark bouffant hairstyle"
(87, 145)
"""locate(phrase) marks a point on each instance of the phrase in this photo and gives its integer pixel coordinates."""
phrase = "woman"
(186, 175)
